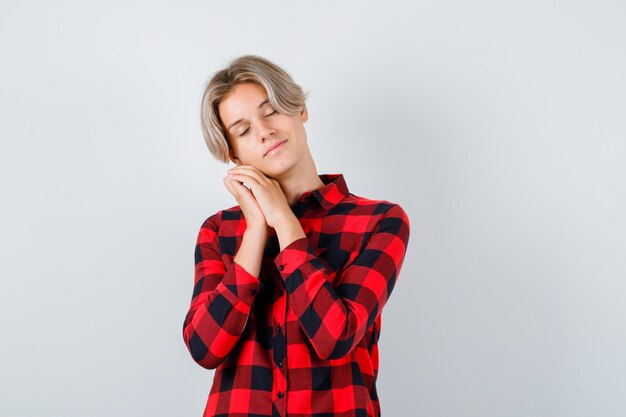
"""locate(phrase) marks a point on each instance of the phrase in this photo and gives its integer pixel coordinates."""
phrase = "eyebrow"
(239, 120)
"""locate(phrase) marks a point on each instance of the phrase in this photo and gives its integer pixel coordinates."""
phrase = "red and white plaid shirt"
(301, 339)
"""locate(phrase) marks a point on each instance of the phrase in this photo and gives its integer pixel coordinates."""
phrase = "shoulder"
(222, 217)
(377, 208)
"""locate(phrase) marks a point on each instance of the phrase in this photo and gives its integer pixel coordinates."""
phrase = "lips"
(275, 146)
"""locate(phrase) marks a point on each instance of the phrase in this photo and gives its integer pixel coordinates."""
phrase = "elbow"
(334, 343)
(336, 350)
(342, 348)
(209, 362)
(200, 352)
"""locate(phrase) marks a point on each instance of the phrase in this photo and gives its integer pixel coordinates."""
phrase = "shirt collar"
(330, 194)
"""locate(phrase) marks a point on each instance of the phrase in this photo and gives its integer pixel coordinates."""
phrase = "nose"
(265, 131)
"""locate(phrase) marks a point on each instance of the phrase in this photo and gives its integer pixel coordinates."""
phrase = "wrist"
(287, 224)
(288, 232)
(259, 230)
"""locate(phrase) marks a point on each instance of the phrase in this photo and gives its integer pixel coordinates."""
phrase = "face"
(253, 126)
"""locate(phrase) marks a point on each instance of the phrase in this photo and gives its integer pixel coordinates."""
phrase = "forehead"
(241, 99)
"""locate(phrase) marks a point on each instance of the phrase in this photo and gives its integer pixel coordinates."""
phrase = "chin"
(280, 171)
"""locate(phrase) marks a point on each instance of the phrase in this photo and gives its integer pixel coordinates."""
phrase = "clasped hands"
(264, 203)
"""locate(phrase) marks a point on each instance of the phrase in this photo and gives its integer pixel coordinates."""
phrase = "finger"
(230, 186)
(240, 191)
(234, 185)
(253, 172)
(244, 178)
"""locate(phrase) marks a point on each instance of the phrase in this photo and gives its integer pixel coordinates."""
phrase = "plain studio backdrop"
(498, 126)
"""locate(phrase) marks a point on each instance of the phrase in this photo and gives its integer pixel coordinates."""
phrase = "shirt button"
(278, 328)
(280, 394)
(281, 292)
(280, 364)
(253, 292)
(281, 267)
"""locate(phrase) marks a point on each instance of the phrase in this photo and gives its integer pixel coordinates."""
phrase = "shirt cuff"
(292, 256)
(296, 262)
(241, 284)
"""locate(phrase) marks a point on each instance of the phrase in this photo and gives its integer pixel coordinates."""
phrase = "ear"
(304, 113)
(234, 158)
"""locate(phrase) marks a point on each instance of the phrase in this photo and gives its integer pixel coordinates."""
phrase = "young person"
(290, 283)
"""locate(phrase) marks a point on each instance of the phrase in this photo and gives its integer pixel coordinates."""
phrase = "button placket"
(279, 346)
(280, 355)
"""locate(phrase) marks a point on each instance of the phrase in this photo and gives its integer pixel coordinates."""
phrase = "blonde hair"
(284, 94)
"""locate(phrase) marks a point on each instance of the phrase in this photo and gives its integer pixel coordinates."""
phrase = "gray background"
(498, 126)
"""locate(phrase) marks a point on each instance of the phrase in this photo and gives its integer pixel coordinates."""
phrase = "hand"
(267, 193)
(250, 208)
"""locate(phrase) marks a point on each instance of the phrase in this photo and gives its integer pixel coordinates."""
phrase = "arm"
(222, 298)
(335, 318)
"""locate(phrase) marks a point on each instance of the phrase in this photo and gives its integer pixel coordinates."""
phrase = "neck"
(302, 178)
